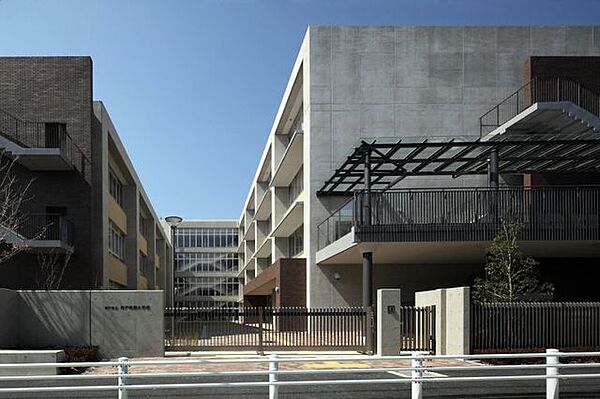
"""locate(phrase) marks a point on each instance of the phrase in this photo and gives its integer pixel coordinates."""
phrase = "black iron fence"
(267, 328)
(45, 135)
(52, 227)
(502, 327)
(539, 90)
(417, 328)
(470, 214)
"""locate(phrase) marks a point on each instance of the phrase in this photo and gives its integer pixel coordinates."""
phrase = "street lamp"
(173, 221)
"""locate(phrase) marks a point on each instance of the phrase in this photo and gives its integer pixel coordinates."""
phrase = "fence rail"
(469, 214)
(530, 326)
(539, 90)
(45, 135)
(420, 374)
(52, 227)
(268, 328)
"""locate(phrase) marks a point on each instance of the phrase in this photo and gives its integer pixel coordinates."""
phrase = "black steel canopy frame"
(380, 166)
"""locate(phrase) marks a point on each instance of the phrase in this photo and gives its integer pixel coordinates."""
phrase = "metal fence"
(268, 328)
(417, 328)
(468, 214)
(539, 90)
(52, 227)
(45, 135)
(421, 373)
(535, 325)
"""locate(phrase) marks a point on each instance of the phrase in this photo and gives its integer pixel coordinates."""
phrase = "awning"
(389, 163)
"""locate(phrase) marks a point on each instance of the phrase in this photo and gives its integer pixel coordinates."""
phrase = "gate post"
(388, 322)
(552, 384)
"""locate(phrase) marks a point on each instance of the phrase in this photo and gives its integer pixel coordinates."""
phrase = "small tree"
(52, 264)
(510, 275)
(12, 196)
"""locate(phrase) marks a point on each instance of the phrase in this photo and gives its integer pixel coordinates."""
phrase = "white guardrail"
(418, 377)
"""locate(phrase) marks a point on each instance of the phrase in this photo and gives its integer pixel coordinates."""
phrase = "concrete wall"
(407, 82)
(452, 317)
(120, 323)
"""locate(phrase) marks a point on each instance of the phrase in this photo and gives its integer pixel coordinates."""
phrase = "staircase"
(574, 108)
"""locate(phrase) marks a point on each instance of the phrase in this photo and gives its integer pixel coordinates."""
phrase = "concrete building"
(206, 263)
(351, 87)
(85, 200)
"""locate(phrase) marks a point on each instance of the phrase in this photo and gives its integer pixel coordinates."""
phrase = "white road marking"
(407, 374)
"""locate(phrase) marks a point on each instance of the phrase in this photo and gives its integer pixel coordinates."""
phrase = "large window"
(206, 262)
(116, 241)
(188, 237)
(207, 286)
(296, 242)
(115, 187)
(296, 186)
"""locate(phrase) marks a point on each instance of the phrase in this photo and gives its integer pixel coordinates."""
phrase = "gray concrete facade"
(351, 83)
(120, 323)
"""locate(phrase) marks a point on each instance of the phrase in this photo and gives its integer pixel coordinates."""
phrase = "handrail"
(33, 134)
(539, 90)
(46, 226)
(419, 374)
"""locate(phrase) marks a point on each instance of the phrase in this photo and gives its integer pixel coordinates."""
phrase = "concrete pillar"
(367, 279)
(388, 321)
(493, 169)
(132, 257)
(452, 318)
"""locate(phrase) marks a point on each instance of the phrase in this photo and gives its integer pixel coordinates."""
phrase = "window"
(296, 242)
(206, 262)
(116, 241)
(207, 286)
(115, 187)
(296, 186)
(205, 237)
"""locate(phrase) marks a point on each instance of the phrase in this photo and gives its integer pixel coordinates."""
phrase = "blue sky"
(193, 86)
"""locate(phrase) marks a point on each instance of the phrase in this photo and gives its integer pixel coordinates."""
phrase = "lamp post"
(173, 221)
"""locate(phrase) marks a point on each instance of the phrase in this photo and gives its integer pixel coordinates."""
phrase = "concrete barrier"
(119, 322)
(30, 356)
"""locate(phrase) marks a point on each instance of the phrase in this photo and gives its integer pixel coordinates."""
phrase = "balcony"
(39, 232)
(459, 223)
(42, 146)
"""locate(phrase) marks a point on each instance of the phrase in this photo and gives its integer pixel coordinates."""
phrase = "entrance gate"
(417, 328)
(264, 328)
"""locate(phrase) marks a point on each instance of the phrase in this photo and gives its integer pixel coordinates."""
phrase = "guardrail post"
(552, 384)
(417, 375)
(122, 370)
(273, 366)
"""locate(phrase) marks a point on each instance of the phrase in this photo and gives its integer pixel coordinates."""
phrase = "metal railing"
(267, 328)
(417, 328)
(420, 375)
(470, 214)
(532, 325)
(51, 227)
(539, 90)
(45, 135)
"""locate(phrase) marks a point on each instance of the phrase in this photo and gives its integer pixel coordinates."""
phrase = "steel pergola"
(380, 166)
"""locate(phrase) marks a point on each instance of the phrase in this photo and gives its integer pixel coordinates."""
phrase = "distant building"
(85, 197)
(206, 263)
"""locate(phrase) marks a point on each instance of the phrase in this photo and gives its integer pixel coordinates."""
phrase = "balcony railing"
(539, 90)
(474, 214)
(46, 227)
(45, 135)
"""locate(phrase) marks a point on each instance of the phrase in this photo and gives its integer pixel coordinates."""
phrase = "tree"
(510, 275)
(12, 196)
(52, 264)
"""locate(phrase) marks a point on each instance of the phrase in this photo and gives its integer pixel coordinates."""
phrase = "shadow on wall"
(120, 323)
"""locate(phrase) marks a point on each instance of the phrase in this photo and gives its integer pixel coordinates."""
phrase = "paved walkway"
(317, 365)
